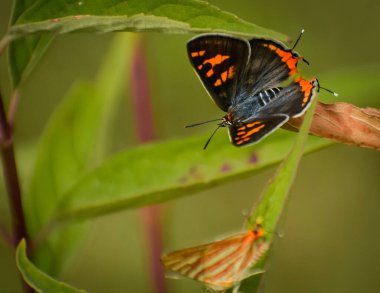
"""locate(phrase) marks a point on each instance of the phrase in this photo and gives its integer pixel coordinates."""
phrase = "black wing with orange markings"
(282, 104)
(270, 63)
(220, 61)
(249, 132)
(292, 100)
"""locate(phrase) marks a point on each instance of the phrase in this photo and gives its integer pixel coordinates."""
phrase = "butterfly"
(242, 77)
(222, 264)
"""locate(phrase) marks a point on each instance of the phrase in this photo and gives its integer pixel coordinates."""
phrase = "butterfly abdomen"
(253, 104)
(266, 96)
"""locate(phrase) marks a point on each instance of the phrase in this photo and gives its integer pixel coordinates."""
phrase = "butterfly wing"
(270, 63)
(219, 60)
(254, 129)
(220, 264)
(292, 100)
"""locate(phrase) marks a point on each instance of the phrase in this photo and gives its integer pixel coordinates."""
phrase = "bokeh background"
(330, 228)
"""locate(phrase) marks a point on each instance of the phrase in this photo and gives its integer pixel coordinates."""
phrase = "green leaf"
(275, 195)
(36, 278)
(159, 172)
(24, 55)
(186, 16)
(70, 146)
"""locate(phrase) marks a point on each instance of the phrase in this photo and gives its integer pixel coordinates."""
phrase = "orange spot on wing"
(224, 75)
(239, 142)
(254, 130)
(286, 57)
(210, 73)
(231, 72)
(253, 124)
(200, 67)
(218, 82)
(216, 60)
(199, 53)
(241, 128)
(306, 88)
(240, 133)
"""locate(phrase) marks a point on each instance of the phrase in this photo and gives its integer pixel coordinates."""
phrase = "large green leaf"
(173, 16)
(36, 278)
(24, 55)
(162, 171)
(170, 16)
(274, 197)
(70, 146)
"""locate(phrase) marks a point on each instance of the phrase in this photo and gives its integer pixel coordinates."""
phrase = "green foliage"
(37, 279)
(159, 172)
(270, 207)
(70, 146)
(25, 54)
(188, 16)
(69, 183)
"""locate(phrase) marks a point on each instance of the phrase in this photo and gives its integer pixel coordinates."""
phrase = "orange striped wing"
(220, 264)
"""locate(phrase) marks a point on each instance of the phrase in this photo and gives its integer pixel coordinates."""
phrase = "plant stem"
(11, 178)
(13, 106)
(4, 42)
(4, 234)
(143, 112)
(12, 183)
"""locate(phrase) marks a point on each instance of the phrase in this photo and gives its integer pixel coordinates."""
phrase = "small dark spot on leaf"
(252, 159)
(192, 175)
(182, 180)
(225, 168)
(193, 170)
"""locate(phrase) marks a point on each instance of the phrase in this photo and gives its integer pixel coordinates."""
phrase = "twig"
(5, 41)
(344, 123)
(6, 236)
(11, 177)
(12, 184)
(13, 105)
(145, 131)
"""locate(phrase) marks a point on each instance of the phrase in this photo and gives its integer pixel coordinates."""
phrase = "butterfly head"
(226, 120)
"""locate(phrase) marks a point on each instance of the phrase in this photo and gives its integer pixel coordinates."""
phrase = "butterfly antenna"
(208, 141)
(327, 90)
(298, 39)
(196, 124)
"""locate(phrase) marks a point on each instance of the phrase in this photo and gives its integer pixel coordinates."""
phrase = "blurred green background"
(330, 227)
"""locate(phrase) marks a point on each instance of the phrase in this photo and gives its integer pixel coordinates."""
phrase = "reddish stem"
(12, 183)
(11, 178)
(142, 106)
(6, 236)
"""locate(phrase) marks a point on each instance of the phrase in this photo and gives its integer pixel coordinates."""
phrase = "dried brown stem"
(344, 123)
